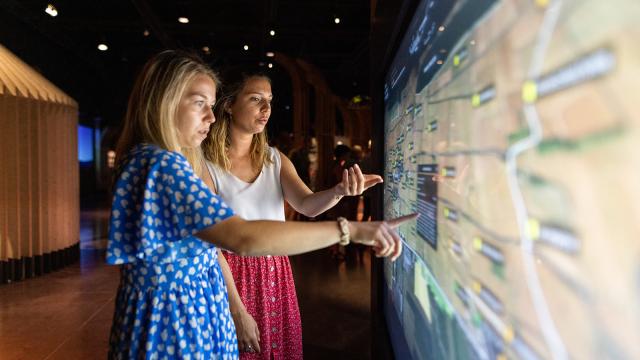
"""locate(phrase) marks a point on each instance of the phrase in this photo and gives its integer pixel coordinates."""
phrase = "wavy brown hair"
(216, 145)
(153, 104)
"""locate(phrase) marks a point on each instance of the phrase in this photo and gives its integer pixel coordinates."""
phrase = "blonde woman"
(255, 180)
(166, 224)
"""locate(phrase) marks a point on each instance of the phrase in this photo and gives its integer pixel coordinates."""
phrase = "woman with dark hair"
(255, 180)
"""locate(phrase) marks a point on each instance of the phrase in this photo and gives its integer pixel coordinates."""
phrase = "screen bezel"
(387, 32)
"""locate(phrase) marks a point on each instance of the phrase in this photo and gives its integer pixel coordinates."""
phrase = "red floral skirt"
(267, 289)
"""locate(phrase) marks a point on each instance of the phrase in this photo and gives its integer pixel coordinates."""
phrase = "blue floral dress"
(172, 299)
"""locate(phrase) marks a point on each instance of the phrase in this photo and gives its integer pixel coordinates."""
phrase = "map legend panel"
(428, 204)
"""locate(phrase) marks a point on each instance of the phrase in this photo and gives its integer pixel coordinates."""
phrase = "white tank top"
(259, 200)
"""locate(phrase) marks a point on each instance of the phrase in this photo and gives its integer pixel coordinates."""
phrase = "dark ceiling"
(64, 48)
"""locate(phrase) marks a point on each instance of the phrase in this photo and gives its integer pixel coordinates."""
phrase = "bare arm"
(311, 204)
(263, 237)
(235, 302)
(246, 327)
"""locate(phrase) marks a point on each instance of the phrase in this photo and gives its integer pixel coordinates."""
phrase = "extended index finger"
(394, 223)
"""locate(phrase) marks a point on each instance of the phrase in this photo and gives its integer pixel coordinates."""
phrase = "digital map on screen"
(513, 128)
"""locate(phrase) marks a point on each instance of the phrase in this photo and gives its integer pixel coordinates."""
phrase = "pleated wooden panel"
(74, 183)
(23, 180)
(55, 189)
(69, 192)
(39, 187)
(53, 163)
(10, 138)
(44, 149)
(36, 187)
(4, 121)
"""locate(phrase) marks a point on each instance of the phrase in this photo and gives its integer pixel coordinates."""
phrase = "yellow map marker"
(529, 92)
(475, 100)
(542, 3)
(507, 334)
(477, 243)
(477, 287)
(533, 229)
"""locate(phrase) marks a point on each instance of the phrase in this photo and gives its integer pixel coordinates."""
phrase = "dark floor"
(67, 314)
(334, 299)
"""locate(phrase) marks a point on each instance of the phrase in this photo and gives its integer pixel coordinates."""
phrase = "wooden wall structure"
(39, 184)
(357, 121)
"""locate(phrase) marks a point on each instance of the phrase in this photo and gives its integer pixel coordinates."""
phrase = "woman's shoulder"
(152, 162)
(149, 155)
(274, 153)
(151, 151)
(212, 164)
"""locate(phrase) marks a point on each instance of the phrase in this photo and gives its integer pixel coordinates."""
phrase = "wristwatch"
(345, 236)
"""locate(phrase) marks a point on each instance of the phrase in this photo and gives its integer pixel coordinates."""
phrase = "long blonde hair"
(153, 104)
(216, 145)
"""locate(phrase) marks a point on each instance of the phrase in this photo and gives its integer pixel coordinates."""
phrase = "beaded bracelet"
(345, 236)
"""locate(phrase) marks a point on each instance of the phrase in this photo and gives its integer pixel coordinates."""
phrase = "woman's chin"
(192, 145)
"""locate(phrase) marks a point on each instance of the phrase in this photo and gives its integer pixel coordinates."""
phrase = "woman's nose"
(209, 116)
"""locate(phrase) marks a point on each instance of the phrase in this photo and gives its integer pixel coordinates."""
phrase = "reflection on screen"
(513, 127)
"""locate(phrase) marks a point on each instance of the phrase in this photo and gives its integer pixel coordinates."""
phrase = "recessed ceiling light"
(441, 28)
(270, 54)
(183, 20)
(103, 47)
(336, 20)
(272, 32)
(146, 32)
(246, 47)
(51, 10)
(270, 65)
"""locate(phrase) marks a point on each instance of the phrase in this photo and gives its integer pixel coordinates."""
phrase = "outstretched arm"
(263, 237)
(311, 204)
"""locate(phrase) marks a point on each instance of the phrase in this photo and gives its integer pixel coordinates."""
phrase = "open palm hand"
(354, 182)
